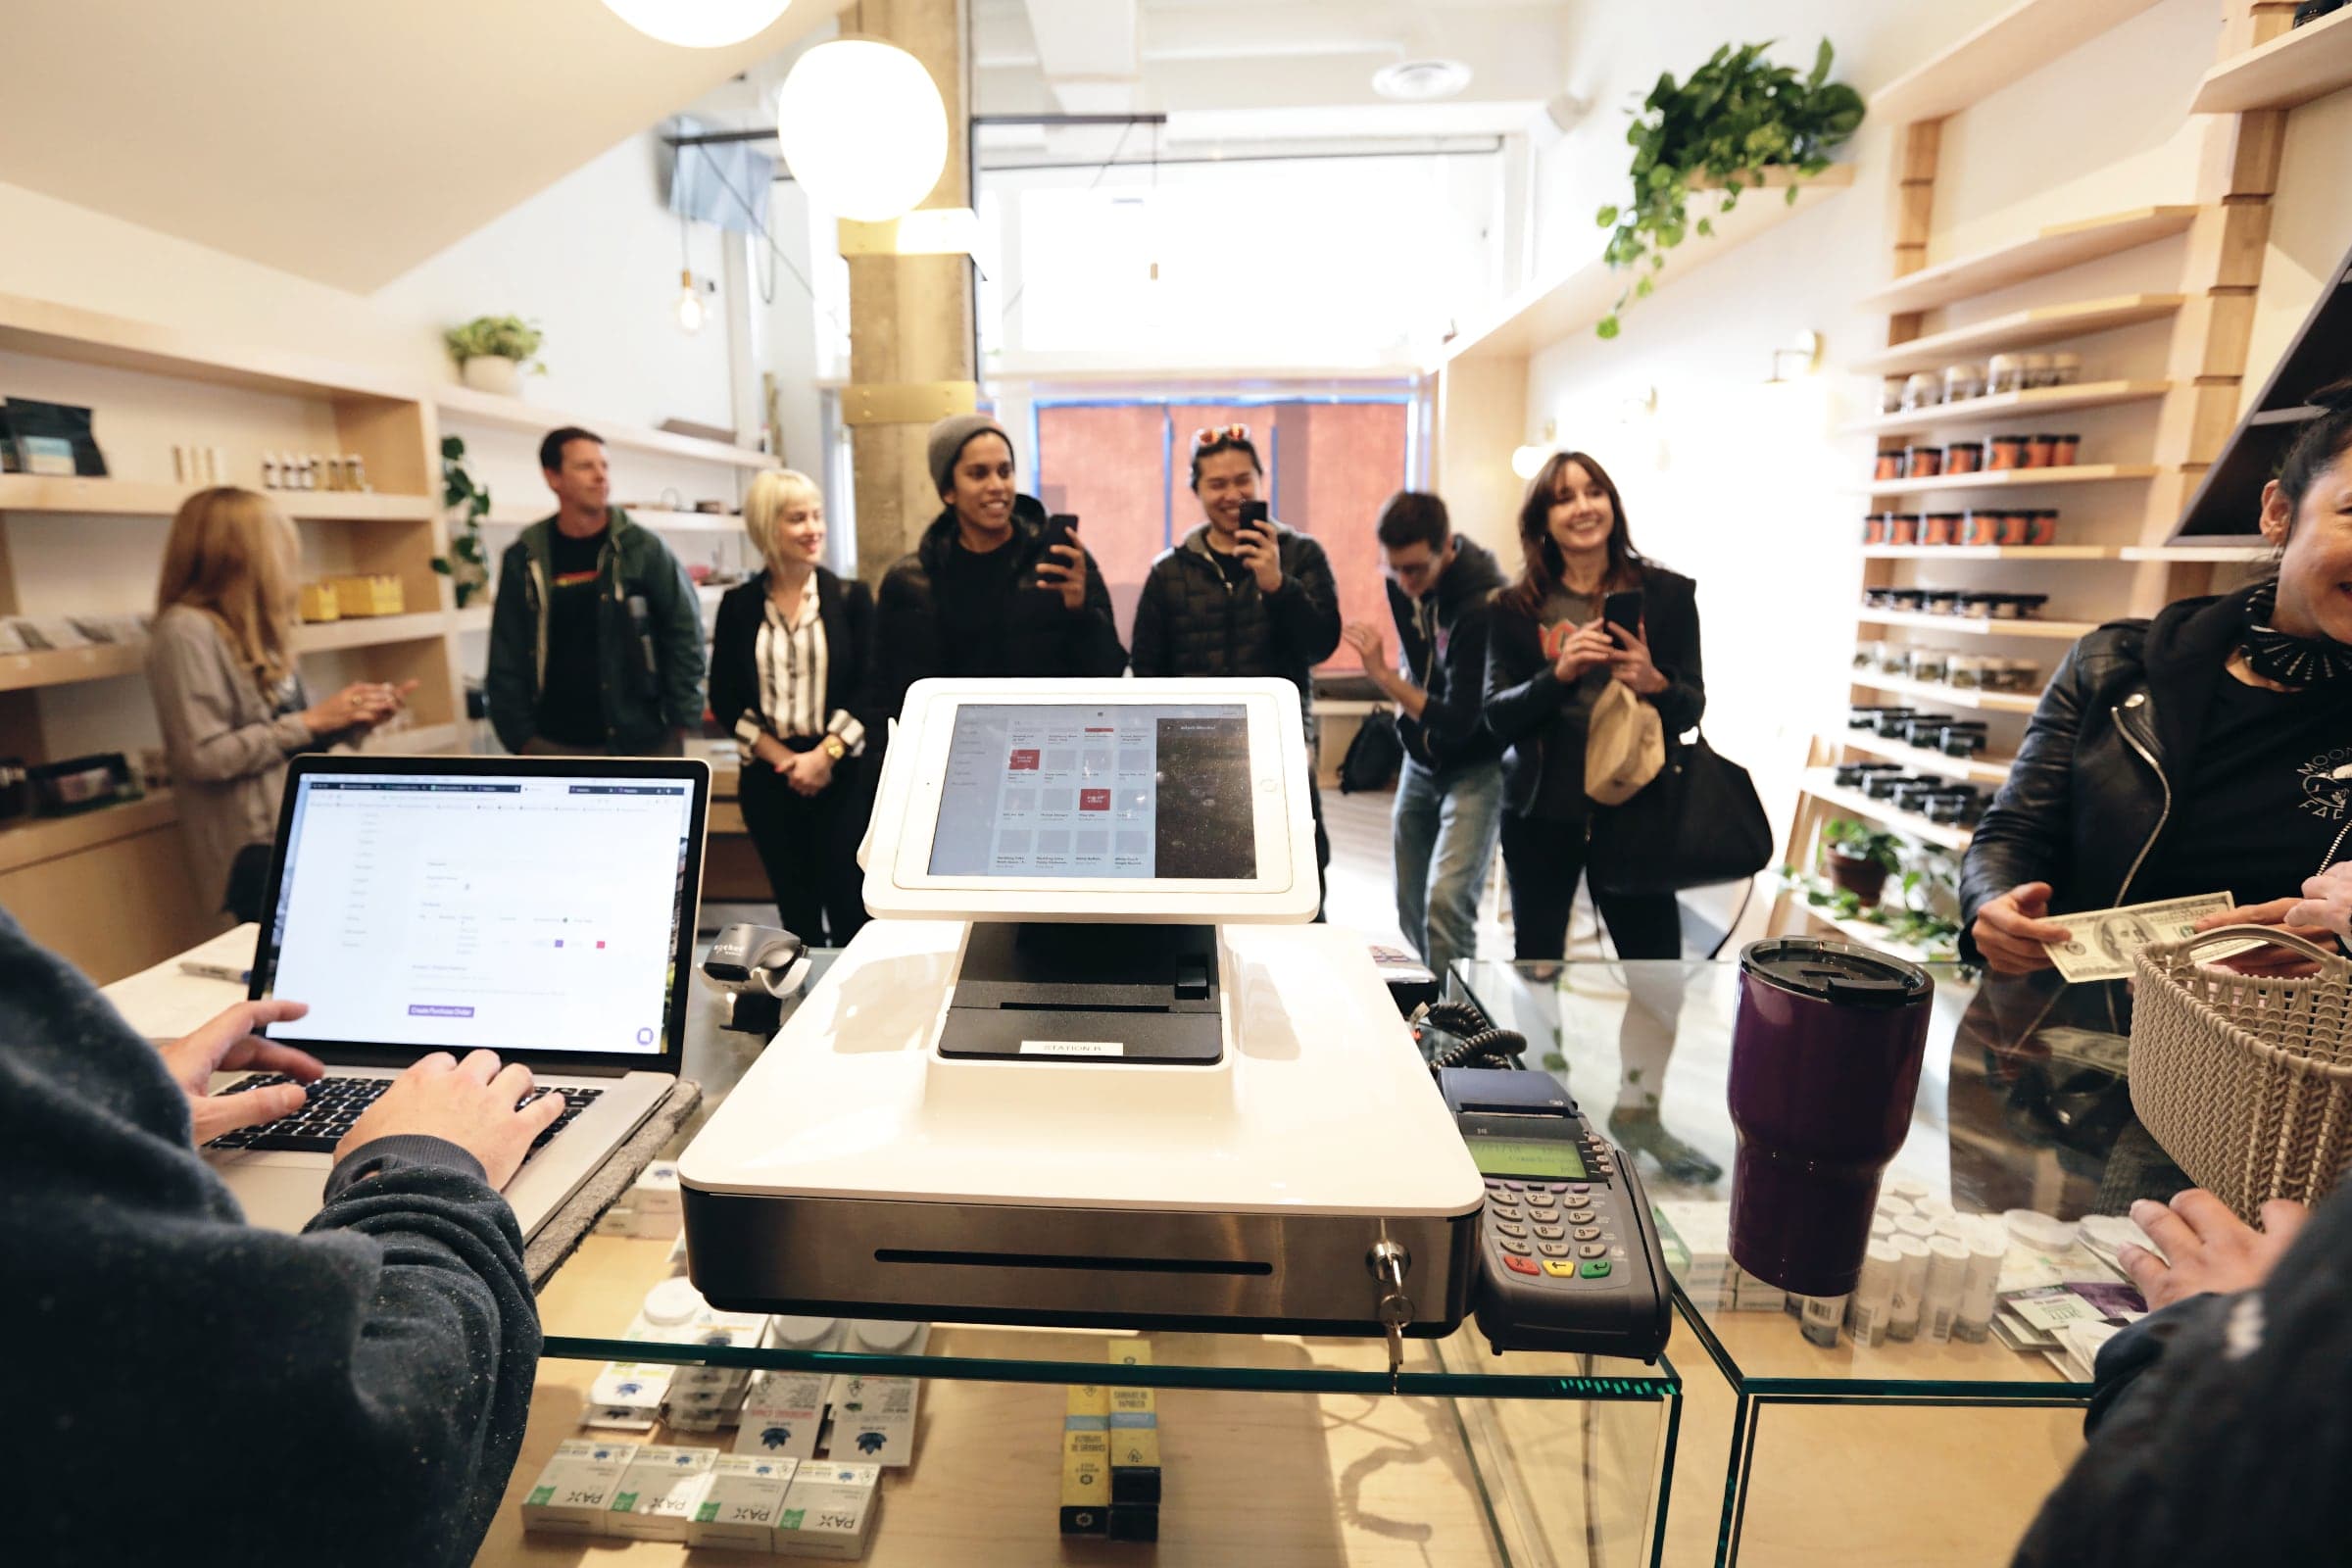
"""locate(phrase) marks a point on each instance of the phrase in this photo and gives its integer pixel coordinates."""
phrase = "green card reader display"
(1568, 1252)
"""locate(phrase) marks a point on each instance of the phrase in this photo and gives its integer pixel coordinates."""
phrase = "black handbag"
(1697, 823)
(1374, 756)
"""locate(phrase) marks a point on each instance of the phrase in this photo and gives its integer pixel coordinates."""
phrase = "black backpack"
(1374, 756)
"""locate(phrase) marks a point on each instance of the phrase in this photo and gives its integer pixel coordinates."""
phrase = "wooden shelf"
(2257, 549)
(1822, 784)
(658, 520)
(2294, 68)
(2046, 552)
(2050, 250)
(1949, 696)
(369, 631)
(1969, 627)
(46, 838)
(520, 414)
(1918, 758)
(2016, 478)
(474, 618)
(422, 740)
(2019, 406)
(67, 666)
(128, 498)
(55, 331)
(1872, 936)
(2046, 323)
(2016, 43)
(1550, 311)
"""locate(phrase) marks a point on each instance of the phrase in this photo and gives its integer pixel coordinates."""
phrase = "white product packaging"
(658, 1492)
(1913, 1225)
(1947, 1272)
(1980, 1290)
(1822, 1316)
(1910, 1288)
(574, 1492)
(1908, 1188)
(1872, 1306)
(782, 1414)
(656, 1191)
(1752, 1295)
(1896, 1207)
(627, 1396)
(741, 1503)
(1931, 1208)
(873, 1419)
(829, 1511)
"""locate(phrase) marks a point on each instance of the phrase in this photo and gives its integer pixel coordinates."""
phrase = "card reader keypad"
(1562, 1233)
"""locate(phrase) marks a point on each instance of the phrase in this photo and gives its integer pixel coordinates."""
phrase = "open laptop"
(543, 908)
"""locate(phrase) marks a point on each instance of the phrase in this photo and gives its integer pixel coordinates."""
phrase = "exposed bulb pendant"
(698, 23)
(690, 303)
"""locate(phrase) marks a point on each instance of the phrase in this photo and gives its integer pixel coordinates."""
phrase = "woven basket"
(2246, 1081)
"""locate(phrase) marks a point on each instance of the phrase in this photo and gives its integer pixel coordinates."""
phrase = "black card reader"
(1568, 1252)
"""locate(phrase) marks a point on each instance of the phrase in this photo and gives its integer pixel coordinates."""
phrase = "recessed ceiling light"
(1421, 80)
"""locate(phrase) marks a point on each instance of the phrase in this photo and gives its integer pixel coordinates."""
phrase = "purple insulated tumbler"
(1825, 1051)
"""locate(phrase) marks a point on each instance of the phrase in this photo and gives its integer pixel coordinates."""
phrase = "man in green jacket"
(596, 642)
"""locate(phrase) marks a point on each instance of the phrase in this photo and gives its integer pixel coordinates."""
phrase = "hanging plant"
(467, 563)
(1736, 117)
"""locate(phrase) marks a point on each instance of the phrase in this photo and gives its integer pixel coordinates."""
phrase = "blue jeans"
(1444, 835)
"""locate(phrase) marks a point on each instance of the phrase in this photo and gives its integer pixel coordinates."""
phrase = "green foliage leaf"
(1706, 229)
(1606, 327)
(1606, 218)
(1821, 64)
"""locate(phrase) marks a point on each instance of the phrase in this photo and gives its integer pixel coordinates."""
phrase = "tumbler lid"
(1844, 973)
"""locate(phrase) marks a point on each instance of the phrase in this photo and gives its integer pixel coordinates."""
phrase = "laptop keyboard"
(337, 1103)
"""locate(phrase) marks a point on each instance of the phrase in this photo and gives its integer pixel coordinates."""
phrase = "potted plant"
(1736, 117)
(1859, 859)
(467, 563)
(493, 351)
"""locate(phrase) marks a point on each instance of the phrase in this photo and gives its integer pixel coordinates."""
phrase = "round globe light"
(1527, 461)
(699, 23)
(862, 129)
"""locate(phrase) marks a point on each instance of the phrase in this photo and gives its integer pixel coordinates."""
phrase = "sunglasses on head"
(1219, 435)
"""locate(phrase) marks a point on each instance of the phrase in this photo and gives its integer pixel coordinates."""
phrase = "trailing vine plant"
(1735, 117)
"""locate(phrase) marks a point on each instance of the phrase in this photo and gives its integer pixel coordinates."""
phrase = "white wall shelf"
(2042, 553)
(1971, 626)
(68, 667)
(520, 414)
(2310, 61)
(2013, 479)
(2016, 43)
(2019, 329)
(126, 498)
(2213, 554)
(2019, 406)
(371, 631)
(1822, 784)
(1552, 310)
(2049, 250)
(1964, 769)
(1933, 691)
(658, 520)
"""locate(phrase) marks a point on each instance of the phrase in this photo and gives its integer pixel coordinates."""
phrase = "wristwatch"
(832, 747)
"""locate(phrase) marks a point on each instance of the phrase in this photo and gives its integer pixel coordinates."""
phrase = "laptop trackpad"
(281, 1197)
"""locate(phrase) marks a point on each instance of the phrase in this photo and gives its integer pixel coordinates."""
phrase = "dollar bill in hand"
(2102, 942)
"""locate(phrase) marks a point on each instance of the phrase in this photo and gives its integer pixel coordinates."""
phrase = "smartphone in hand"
(1254, 518)
(1062, 529)
(1623, 609)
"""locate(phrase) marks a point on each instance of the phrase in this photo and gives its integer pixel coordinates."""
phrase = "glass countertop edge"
(1662, 1384)
(1915, 1391)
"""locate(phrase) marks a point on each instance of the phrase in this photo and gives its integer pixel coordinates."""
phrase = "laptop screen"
(517, 911)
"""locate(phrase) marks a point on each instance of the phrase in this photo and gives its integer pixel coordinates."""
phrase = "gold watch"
(833, 748)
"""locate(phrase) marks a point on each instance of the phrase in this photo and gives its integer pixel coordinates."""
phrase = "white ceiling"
(342, 140)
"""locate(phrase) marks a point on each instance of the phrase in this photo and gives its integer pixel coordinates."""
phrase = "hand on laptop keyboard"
(227, 1044)
(495, 1114)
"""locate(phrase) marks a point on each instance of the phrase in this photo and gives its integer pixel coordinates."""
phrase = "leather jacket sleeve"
(1674, 648)
(1521, 691)
(1305, 609)
(2023, 837)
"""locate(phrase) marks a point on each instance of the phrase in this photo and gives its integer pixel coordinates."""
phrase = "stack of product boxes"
(1701, 1231)
(702, 1497)
(1110, 1456)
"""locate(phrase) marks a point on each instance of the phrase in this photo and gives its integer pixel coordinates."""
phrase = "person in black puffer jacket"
(981, 595)
(1230, 601)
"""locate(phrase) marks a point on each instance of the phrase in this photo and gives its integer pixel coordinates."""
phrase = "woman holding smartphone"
(1553, 647)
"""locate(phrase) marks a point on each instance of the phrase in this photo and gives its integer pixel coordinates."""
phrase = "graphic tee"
(1560, 797)
(571, 701)
(2267, 799)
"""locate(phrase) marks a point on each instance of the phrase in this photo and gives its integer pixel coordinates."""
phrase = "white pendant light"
(862, 129)
(690, 304)
(699, 23)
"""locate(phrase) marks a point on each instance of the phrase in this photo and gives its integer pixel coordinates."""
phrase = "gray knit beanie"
(950, 437)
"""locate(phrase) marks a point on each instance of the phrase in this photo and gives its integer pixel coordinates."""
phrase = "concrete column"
(911, 316)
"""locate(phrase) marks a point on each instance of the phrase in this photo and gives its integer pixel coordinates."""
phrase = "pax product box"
(873, 1419)
(574, 1493)
(627, 1396)
(658, 1492)
(650, 1208)
(741, 1503)
(782, 1414)
(1085, 1483)
(829, 1510)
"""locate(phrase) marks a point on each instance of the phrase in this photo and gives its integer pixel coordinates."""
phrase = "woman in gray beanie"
(982, 594)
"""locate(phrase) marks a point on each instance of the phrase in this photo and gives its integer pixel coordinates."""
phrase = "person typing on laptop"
(188, 1384)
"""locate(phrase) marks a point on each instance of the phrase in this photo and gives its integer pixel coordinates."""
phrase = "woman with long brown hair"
(220, 668)
(1549, 655)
